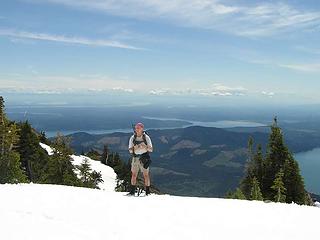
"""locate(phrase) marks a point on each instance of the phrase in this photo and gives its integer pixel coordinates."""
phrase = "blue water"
(217, 124)
(310, 168)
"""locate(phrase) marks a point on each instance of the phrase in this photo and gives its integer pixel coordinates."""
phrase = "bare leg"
(134, 175)
(146, 177)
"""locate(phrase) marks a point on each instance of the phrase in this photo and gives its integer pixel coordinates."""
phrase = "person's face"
(139, 130)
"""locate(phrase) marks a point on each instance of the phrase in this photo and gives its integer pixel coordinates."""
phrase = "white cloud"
(65, 39)
(216, 89)
(223, 88)
(122, 89)
(312, 68)
(260, 19)
(268, 94)
(308, 49)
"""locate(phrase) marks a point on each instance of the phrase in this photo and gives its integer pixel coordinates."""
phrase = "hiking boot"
(147, 190)
(133, 190)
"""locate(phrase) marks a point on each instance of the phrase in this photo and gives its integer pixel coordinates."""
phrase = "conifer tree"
(88, 177)
(10, 165)
(43, 138)
(238, 194)
(84, 172)
(33, 157)
(93, 154)
(255, 190)
(246, 183)
(278, 187)
(60, 169)
(293, 182)
(280, 158)
(96, 178)
(105, 155)
(259, 171)
(267, 171)
(277, 154)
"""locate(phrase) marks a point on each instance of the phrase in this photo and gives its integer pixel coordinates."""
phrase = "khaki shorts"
(136, 165)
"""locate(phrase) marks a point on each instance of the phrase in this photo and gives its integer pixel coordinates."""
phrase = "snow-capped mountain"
(107, 173)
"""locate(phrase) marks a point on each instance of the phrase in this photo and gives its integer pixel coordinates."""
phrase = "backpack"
(144, 139)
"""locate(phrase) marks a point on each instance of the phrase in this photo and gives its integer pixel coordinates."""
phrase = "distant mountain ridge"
(196, 161)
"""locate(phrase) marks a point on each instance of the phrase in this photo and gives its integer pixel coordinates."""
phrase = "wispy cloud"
(260, 19)
(216, 89)
(65, 39)
(268, 94)
(313, 67)
(308, 49)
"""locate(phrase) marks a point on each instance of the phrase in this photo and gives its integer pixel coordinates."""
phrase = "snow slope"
(51, 212)
(108, 174)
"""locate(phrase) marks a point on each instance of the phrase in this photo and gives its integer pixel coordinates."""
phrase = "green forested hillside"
(195, 161)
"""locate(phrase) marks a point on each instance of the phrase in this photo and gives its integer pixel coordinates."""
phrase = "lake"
(217, 124)
(310, 167)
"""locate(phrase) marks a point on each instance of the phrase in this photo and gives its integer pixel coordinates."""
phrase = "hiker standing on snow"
(139, 146)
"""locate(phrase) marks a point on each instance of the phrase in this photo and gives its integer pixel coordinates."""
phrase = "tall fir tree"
(246, 183)
(33, 157)
(89, 177)
(238, 194)
(60, 169)
(294, 183)
(105, 155)
(278, 187)
(279, 157)
(277, 154)
(259, 165)
(266, 171)
(10, 165)
(255, 190)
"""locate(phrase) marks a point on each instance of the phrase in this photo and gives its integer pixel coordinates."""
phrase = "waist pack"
(145, 160)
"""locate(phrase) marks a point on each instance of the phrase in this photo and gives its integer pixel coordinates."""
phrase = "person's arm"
(149, 144)
(131, 144)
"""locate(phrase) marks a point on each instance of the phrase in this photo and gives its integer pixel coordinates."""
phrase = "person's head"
(139, 128)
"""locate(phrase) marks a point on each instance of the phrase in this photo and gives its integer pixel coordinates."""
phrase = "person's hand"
(144, 146)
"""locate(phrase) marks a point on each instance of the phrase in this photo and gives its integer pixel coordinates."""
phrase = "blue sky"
(207, 48)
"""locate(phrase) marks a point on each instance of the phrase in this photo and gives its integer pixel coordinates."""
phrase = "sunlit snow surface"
(108, 174)
(52, 212)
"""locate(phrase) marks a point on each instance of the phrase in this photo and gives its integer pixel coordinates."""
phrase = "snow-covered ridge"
(108, 174)
(51, 212)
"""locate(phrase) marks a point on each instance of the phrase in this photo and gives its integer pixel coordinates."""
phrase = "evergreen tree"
(89, 178)
(238, 194)
(254, 169)
(255, 190)
(33, 157)
(93, 154)
(278, 187)
(60, 169)
(84, 172)
(277, 154)
(259, 165)
(43, 138)
(96, 178)
(280, 158)
(293, 182)
(105, 155)
(268, 171)
(10, 165)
